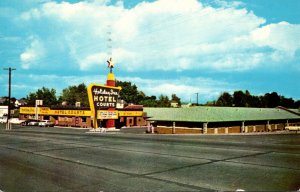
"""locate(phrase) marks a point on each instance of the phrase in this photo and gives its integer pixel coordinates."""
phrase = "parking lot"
(62, 159)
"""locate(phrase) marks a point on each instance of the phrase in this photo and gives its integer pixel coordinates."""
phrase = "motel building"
(106, 112)
(221, 120)
(193, 120)
(82, 117)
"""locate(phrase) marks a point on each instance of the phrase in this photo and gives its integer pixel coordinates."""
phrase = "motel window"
(83, 119)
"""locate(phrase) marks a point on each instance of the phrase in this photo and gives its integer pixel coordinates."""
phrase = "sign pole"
(95, 119)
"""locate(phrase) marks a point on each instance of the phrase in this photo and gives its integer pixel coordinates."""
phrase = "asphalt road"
(56, 159)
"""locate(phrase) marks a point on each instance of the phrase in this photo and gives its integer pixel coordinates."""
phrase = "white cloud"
(183, 87)
(283, 37)
(170, 35)
(32, 82)
(228, 4)
(92, 60)
(32, 53)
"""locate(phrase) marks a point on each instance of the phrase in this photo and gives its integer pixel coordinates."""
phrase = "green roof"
(295, 110)
(217, 114)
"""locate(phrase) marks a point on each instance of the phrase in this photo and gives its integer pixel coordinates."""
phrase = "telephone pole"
(197, 98)
(9, 90)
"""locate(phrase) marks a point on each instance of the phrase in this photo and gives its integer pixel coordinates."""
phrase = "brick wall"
(169, 130)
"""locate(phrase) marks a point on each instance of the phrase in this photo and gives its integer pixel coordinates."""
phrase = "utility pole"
(197, 98)
(9, 91)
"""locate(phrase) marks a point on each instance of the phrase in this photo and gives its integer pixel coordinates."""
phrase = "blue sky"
(165, 46)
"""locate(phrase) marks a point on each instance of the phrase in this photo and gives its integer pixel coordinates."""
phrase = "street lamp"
(9, 91)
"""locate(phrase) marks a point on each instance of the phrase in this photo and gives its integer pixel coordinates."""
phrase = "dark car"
(25, 123)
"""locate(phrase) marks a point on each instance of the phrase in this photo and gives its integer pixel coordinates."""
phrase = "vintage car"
(46, 123)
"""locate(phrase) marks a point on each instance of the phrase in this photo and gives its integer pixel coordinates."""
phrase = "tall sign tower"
(103, 100)
(111, 81)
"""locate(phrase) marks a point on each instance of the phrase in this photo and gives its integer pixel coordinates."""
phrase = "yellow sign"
(44, 110)
(48, 111)
(101, 97)
(76, 112)
(27, 110)
(71, 112)
(131, 113)
(104, 114)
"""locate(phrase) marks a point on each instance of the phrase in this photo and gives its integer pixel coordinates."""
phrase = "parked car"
(25, 123)
(3, 119)
(33, 123)
(46, 123)
(11, 120)
(16, 121)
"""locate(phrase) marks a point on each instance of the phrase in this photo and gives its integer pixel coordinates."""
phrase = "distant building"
(77, 104)
(174, 104)
(2, 100)
(19, 103)
(186, 105)
(121, 104)
(3, 111)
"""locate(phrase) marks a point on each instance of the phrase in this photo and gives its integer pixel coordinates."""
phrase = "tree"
(129, 92)
(164, 101)
(272, 100)
(74, 94)
(239, 99)
(297, 104)
(5, 101)
(287, 102)
(225, 99)
(256, 101)
(47, 95)
(149, 101)
(176, 99)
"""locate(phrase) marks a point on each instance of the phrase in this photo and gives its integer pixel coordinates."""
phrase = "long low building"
(204, 120)
(209, 120)
(82, 117)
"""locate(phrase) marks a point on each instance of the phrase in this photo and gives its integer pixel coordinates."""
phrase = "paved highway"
(59, 159)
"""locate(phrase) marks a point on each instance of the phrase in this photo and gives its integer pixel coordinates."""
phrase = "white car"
(3, 119)
(46, 123)
(33, 123)
(16, 121)
(12, 120)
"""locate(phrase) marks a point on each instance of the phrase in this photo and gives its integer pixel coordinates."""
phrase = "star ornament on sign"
(110, 63)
